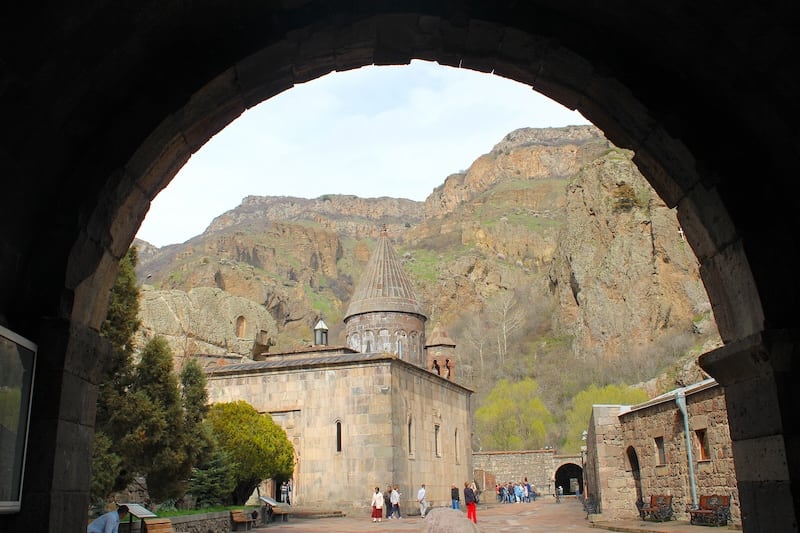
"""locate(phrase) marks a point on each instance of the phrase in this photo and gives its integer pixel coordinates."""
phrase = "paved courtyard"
(544, 516)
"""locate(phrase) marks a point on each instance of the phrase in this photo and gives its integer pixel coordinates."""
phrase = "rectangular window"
(410, 438)
(662, 456)
(338, 436)
(437, 448)
(702, 445)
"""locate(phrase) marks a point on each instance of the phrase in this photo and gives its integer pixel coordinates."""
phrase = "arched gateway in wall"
(102, 104)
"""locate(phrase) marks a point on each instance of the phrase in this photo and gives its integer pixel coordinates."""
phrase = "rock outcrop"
(206, 321)
(623, 274)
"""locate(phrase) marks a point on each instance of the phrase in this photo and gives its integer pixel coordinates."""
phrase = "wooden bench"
(659, 510)
(243, 517)
(712, 510)
(275, 511)
(158, 525)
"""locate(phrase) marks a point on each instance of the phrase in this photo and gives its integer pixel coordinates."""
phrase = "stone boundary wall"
(203, 523)
(217, 522)
(539, 466)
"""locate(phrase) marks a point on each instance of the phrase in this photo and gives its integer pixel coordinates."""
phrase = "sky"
(394, 131)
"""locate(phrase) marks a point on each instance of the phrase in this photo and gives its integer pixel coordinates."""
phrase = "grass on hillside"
(426, 264)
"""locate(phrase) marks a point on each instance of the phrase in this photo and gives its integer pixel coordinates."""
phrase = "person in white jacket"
(377, 505)
(423, 503)
(394, 499)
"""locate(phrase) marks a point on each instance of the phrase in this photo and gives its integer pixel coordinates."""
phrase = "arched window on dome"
(414, 355)
(385, 341)
(354, 342)
(368, 344)
(401, 341)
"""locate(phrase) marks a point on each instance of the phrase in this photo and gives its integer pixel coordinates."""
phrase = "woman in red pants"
(470, 500)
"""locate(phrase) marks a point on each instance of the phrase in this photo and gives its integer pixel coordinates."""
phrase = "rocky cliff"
(623, 275)
(559, 216)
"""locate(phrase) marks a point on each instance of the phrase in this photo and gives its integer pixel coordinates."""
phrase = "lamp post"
(584, 453)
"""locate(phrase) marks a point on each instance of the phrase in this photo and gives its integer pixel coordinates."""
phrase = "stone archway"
(118, 100)
(570, 477)
(633, 462)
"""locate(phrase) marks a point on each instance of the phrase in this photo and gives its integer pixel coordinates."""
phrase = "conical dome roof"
(384, 285)
(439, 337)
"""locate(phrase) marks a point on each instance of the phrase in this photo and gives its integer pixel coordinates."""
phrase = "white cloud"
(377, 131)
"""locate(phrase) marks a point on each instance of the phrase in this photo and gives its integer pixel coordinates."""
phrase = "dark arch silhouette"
(102, 104)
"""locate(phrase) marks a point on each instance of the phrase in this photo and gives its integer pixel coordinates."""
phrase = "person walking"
(455, 498)
(387, 496)
(377, 505)
(423, 502)
(394, 499)
(470, 500)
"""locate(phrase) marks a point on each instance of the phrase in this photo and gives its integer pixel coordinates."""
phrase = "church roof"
(439, 337)
(670, 396)
(320, 361)
(308, 360)
(384, 285)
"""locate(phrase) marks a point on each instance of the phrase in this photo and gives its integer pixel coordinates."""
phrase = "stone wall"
(607, 478)
(399, 424)
(539, 466)
(402, 334)
(218, 522)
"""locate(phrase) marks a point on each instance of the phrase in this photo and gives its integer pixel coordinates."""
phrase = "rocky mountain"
(553, 232)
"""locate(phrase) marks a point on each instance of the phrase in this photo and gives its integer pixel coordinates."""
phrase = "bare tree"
(507, 317)
(476, 334)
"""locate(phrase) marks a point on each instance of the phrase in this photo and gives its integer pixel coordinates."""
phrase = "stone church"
(377, 411)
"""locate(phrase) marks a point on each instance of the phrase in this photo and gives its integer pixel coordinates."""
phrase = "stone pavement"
(543, 516)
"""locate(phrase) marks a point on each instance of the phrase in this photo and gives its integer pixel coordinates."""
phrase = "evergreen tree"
(214, 481)
(121, 324)
(260, 447)
(145, 424)
(109, 468)
(160, 447)
(105, 467)
(194, 395)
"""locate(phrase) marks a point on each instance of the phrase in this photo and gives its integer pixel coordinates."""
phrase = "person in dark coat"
(471, 501)
(455, 498)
